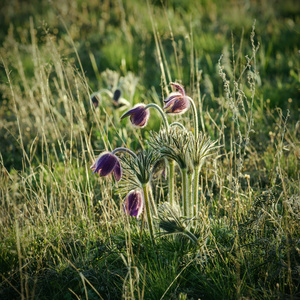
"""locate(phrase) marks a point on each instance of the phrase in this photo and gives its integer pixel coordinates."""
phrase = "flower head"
(139, 116)
(107, 163)
(134, 203)
(177, 102)
(95, 99)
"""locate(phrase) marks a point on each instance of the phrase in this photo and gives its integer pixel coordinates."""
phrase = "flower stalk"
(196, 191)
(185, 191)
(123, 149)
(171, 180)
(195, 114)
(152, 201)
(163, 115)
(148, 211)
(190, 196)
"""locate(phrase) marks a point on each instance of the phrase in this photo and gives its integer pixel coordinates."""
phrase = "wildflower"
(139, 116)
(107, 163)
(118, 101)
(134, 203)
(95, 99)
(116, 96)
(177, 102)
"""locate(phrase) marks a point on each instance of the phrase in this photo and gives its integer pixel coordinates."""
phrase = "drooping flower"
(107, 163)
(134, 203)
(139, 116)
(118, 101)
(177, 102)
(95, 99)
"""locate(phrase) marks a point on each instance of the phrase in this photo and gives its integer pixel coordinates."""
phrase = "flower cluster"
(172, 144)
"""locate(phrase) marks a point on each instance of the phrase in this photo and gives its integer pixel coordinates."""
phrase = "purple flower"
(95, 99)
(177, 102)
(134, 203)
(107, 163)
(139, 116)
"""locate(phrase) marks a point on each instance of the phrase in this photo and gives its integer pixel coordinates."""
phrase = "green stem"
(196, 191)
(148, 212)
(190, 198)
(171, 180)
(153, 204)
(123, 149)
(185, 191)
(196, 128)
(191, 236)
(163, 115)
(177, 124)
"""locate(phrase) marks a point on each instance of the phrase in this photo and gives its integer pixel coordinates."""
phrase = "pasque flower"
(107, 163)
(139, 116)
(177, 102)
(134, 203)
(95, 99)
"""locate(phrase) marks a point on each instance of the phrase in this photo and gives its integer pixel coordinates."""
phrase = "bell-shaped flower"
(118, 101)
(95, 99)
(177, 102)
(134, 203)
(107, 163)
(139, 116)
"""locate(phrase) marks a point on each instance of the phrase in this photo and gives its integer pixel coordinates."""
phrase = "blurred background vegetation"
(118, 35)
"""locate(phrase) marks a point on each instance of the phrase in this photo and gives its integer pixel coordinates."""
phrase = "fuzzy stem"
(123, 149)
(148, 212)
(191, 236)
(171, 181)
(177, 124)
(190, 197)
(153, 205)
(185, 191)
(196, 128)
(196, 191)
(158, 108)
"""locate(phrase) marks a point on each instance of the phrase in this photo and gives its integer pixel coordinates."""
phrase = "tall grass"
(64, 233)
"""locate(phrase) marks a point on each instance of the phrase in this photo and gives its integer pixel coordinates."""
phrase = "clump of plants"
(174, 144)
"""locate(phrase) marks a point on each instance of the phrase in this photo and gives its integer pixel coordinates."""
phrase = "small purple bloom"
(95, 99)
(177, 102)
(116, 96)
(107, 163)
(134, 203)
(139, 116)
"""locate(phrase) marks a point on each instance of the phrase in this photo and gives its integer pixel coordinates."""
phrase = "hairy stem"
(196, 191)
(190, 198)
(148, 211)
(185, 191)
(163, 115)
(153, 204)
(177, 124)
(171, 180)
(196, 128)
(123, 149)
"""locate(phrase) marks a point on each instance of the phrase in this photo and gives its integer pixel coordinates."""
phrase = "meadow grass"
(64, 234)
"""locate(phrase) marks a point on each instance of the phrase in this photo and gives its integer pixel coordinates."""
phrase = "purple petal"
(132, 111)
(180, 106)
(133, 204)
(172, 96)
(105, 164)
(179, 87)
(171, 103)
(117, 171)
(140, 118)
(117, 95)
